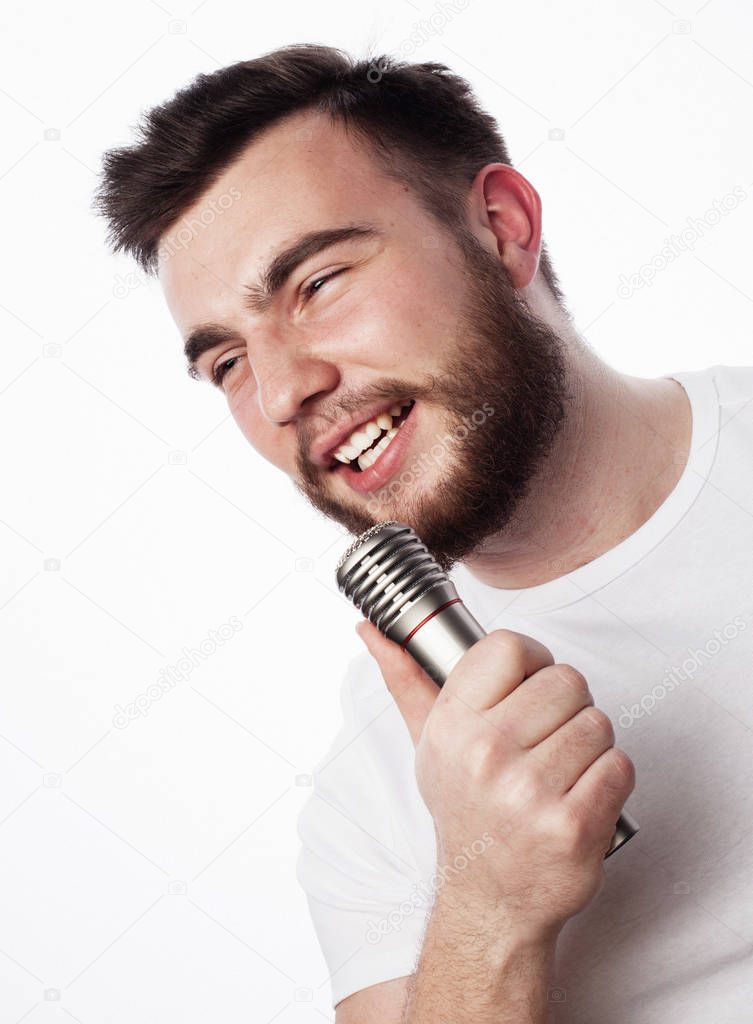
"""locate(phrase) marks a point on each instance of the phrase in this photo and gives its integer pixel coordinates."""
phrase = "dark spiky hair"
(421, 123)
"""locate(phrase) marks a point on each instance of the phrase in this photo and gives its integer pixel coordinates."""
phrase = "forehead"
(304, 173)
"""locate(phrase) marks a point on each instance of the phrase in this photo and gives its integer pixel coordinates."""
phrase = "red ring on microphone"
(424, 621)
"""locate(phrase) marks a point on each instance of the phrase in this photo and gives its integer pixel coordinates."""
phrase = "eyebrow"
(260, 295)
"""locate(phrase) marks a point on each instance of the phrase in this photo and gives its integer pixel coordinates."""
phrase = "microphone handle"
(439, 641)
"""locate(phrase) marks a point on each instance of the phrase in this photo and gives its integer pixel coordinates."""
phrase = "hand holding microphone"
(532, 766)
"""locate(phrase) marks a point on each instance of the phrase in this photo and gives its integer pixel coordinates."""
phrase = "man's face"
(394, 326)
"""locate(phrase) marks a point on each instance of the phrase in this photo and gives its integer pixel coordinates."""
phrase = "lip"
(323, 450)
(369, 480)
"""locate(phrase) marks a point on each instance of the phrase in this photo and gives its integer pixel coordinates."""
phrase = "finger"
(569, 751)
(494, 667)
(549, 698)
(601, 791)
(413, 690)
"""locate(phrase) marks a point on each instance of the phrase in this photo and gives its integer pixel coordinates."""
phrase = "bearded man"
(353, 262)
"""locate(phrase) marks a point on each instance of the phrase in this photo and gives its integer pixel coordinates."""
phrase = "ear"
(505, 206)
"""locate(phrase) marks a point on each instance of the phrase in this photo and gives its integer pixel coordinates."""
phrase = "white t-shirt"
(662, 628)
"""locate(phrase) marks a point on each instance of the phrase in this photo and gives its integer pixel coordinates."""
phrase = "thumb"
(413, 690)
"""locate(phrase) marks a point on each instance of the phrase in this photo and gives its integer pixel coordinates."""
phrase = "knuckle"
(480, 758)
(576, 830)
(568, 829)
(517, 654)
(507, 644)
(599, 722)
(571, 677)
(624, 765)
(520, 791)
(506, 638)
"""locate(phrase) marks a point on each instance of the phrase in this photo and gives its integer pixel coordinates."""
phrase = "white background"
(147, 872)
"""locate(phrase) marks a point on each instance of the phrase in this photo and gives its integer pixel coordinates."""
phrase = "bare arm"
(474, 969)
(465, 973)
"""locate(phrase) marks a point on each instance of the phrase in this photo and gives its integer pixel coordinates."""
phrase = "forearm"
(474, 969)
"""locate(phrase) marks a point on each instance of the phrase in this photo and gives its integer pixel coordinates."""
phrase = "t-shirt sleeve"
(361, 883)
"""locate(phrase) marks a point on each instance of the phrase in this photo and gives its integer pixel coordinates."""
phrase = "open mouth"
(370, 440)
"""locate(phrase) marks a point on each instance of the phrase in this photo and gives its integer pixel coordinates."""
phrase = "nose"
(288, 378)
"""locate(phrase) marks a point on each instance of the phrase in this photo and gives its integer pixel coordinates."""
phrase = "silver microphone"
(388, 573)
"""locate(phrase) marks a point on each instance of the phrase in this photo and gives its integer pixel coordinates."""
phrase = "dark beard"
(505, 359)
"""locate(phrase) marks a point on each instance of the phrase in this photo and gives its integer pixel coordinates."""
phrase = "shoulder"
(722, 401)
(733, 384)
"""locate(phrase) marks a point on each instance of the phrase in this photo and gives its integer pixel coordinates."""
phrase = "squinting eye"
(222, 368)
(310, 290)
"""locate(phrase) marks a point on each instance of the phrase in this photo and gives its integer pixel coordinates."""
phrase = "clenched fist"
(512, 748)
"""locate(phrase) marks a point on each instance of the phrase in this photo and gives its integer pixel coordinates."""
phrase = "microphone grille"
(386, 570)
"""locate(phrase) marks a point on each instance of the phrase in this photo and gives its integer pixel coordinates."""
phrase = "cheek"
(245, 411)
(404, 322)
(268, 440)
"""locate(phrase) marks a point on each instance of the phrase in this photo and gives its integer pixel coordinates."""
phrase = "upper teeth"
(361, 438)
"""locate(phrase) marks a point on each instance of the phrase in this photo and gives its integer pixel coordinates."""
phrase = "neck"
(621, 450)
